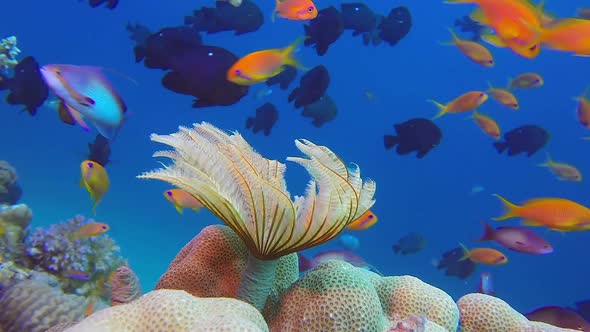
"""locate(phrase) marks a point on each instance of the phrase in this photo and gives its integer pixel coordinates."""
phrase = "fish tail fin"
(273, 16)
(304, 263)
(488, 233)
(512, 210)
(94, 207)
(441, 108)
(500, 146)
(249, 122)
(454, 38)
(466, 252)
(587, 138)
(389, 141)
(547, 162)
(289, 51)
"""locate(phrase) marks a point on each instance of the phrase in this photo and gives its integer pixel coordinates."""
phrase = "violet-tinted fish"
(560, 317)
(486, 285)
(333, 255)
(518, 239)
(78, 275)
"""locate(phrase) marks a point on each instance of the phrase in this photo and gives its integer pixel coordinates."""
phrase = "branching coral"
(10, 191)
(248, 193)
(56, 251)
(8, 53)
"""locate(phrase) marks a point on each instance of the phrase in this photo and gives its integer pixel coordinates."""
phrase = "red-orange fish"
(569, 35)
(90, 229)
(487, 256)
(464, 103)
(182, 199)
(363, 222)
(296, 10)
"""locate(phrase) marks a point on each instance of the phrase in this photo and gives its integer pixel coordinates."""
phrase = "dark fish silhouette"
(525, 139)
(321, 111)
(420, 135)
(225, 17)
(139, 34)
(453, 265)
(324, 30)
(312, 86)
(560, 317)
(358, 17)
(99, 150)
(396, 25)
(466, 24)
(26, 87)
(110, 4)
(266, 117)
(160, 49)
(284, 78)
(410, 244)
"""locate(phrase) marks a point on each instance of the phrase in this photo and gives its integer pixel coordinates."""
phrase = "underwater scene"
(295, 165)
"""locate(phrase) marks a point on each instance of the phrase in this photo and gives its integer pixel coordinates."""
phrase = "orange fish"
(583, 109)
(487, 256)
(363, 222)
(95, 179)
(472, 50)
(558, 214)
(516, 22)
(90, 308)
(487, 124)
(563, 171)
(526, 81)
(182, 199)
(464, 103)
(296, 10)
(259, 66)
(90, 230)
(568, 35)
(504, 97)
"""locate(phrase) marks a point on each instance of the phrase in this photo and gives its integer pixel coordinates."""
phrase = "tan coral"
(210, 265)
(337, 296)
(174, 310)
(484, 313)
(125, 286)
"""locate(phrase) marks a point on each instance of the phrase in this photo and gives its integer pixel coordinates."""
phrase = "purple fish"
(560, 317)
(331, 255)
(485, 284)
(78, 275)
(517, 239)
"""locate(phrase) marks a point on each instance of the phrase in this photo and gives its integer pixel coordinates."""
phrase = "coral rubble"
(8, 53)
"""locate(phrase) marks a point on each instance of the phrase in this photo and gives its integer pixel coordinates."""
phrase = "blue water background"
(430, 196)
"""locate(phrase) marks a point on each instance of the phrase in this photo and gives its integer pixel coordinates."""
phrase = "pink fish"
(517, 239)
(485, 284)
(331, 255)
(560, 317)
(85, 94)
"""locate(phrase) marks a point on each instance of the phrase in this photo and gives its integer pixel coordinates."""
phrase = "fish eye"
(371, 216)
(104, 227)
(533, 48)
(169, 193)
(310, 9)
(482, 94)
(90, 165)
(237, 72)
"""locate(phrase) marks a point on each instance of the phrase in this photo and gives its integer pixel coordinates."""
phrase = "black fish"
(419, 134)
(110, 4)
(466, 24)
(454, 266)
(324, 30)
(528, 139)
(321, 111)
(284, 78)
(99, 150)
(409, 244)
(139, 34)
(27, 86)
(266, 117)
(583, 308)
(201, 73)
(358, 17)
(225, 17)
(160, 48)
(396, 25)
(312, 86)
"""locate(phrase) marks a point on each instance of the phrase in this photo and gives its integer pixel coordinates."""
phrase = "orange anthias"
(487, 125)
(296, 10)
(558, 214)
(464, 103)
(363, 222)
(487, 256)
(569, 35)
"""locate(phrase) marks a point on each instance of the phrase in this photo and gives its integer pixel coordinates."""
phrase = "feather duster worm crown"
(248, 192)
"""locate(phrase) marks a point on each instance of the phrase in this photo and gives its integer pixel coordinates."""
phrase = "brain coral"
(15, 220)
(337, 296)
(211, 264)
(175, 310)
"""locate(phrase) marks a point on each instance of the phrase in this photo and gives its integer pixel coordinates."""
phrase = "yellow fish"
(95, 180)
(182, 199)
(363, 222)
(563, 171)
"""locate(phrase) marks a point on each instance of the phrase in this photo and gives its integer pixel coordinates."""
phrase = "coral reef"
(56, 251)
(210, 265)
(10, 191)
(14, 223)
(249, 194)
(125, 286)
(175, 310)
(8, 53)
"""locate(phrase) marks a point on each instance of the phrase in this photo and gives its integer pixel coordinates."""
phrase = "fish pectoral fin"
(78, 117)
(178, 208)
(528, 222)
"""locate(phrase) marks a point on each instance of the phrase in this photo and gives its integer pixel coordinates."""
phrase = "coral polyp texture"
(14, 223)
(175, 310)
(56, 251)
(10, 191)
(8, 53)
